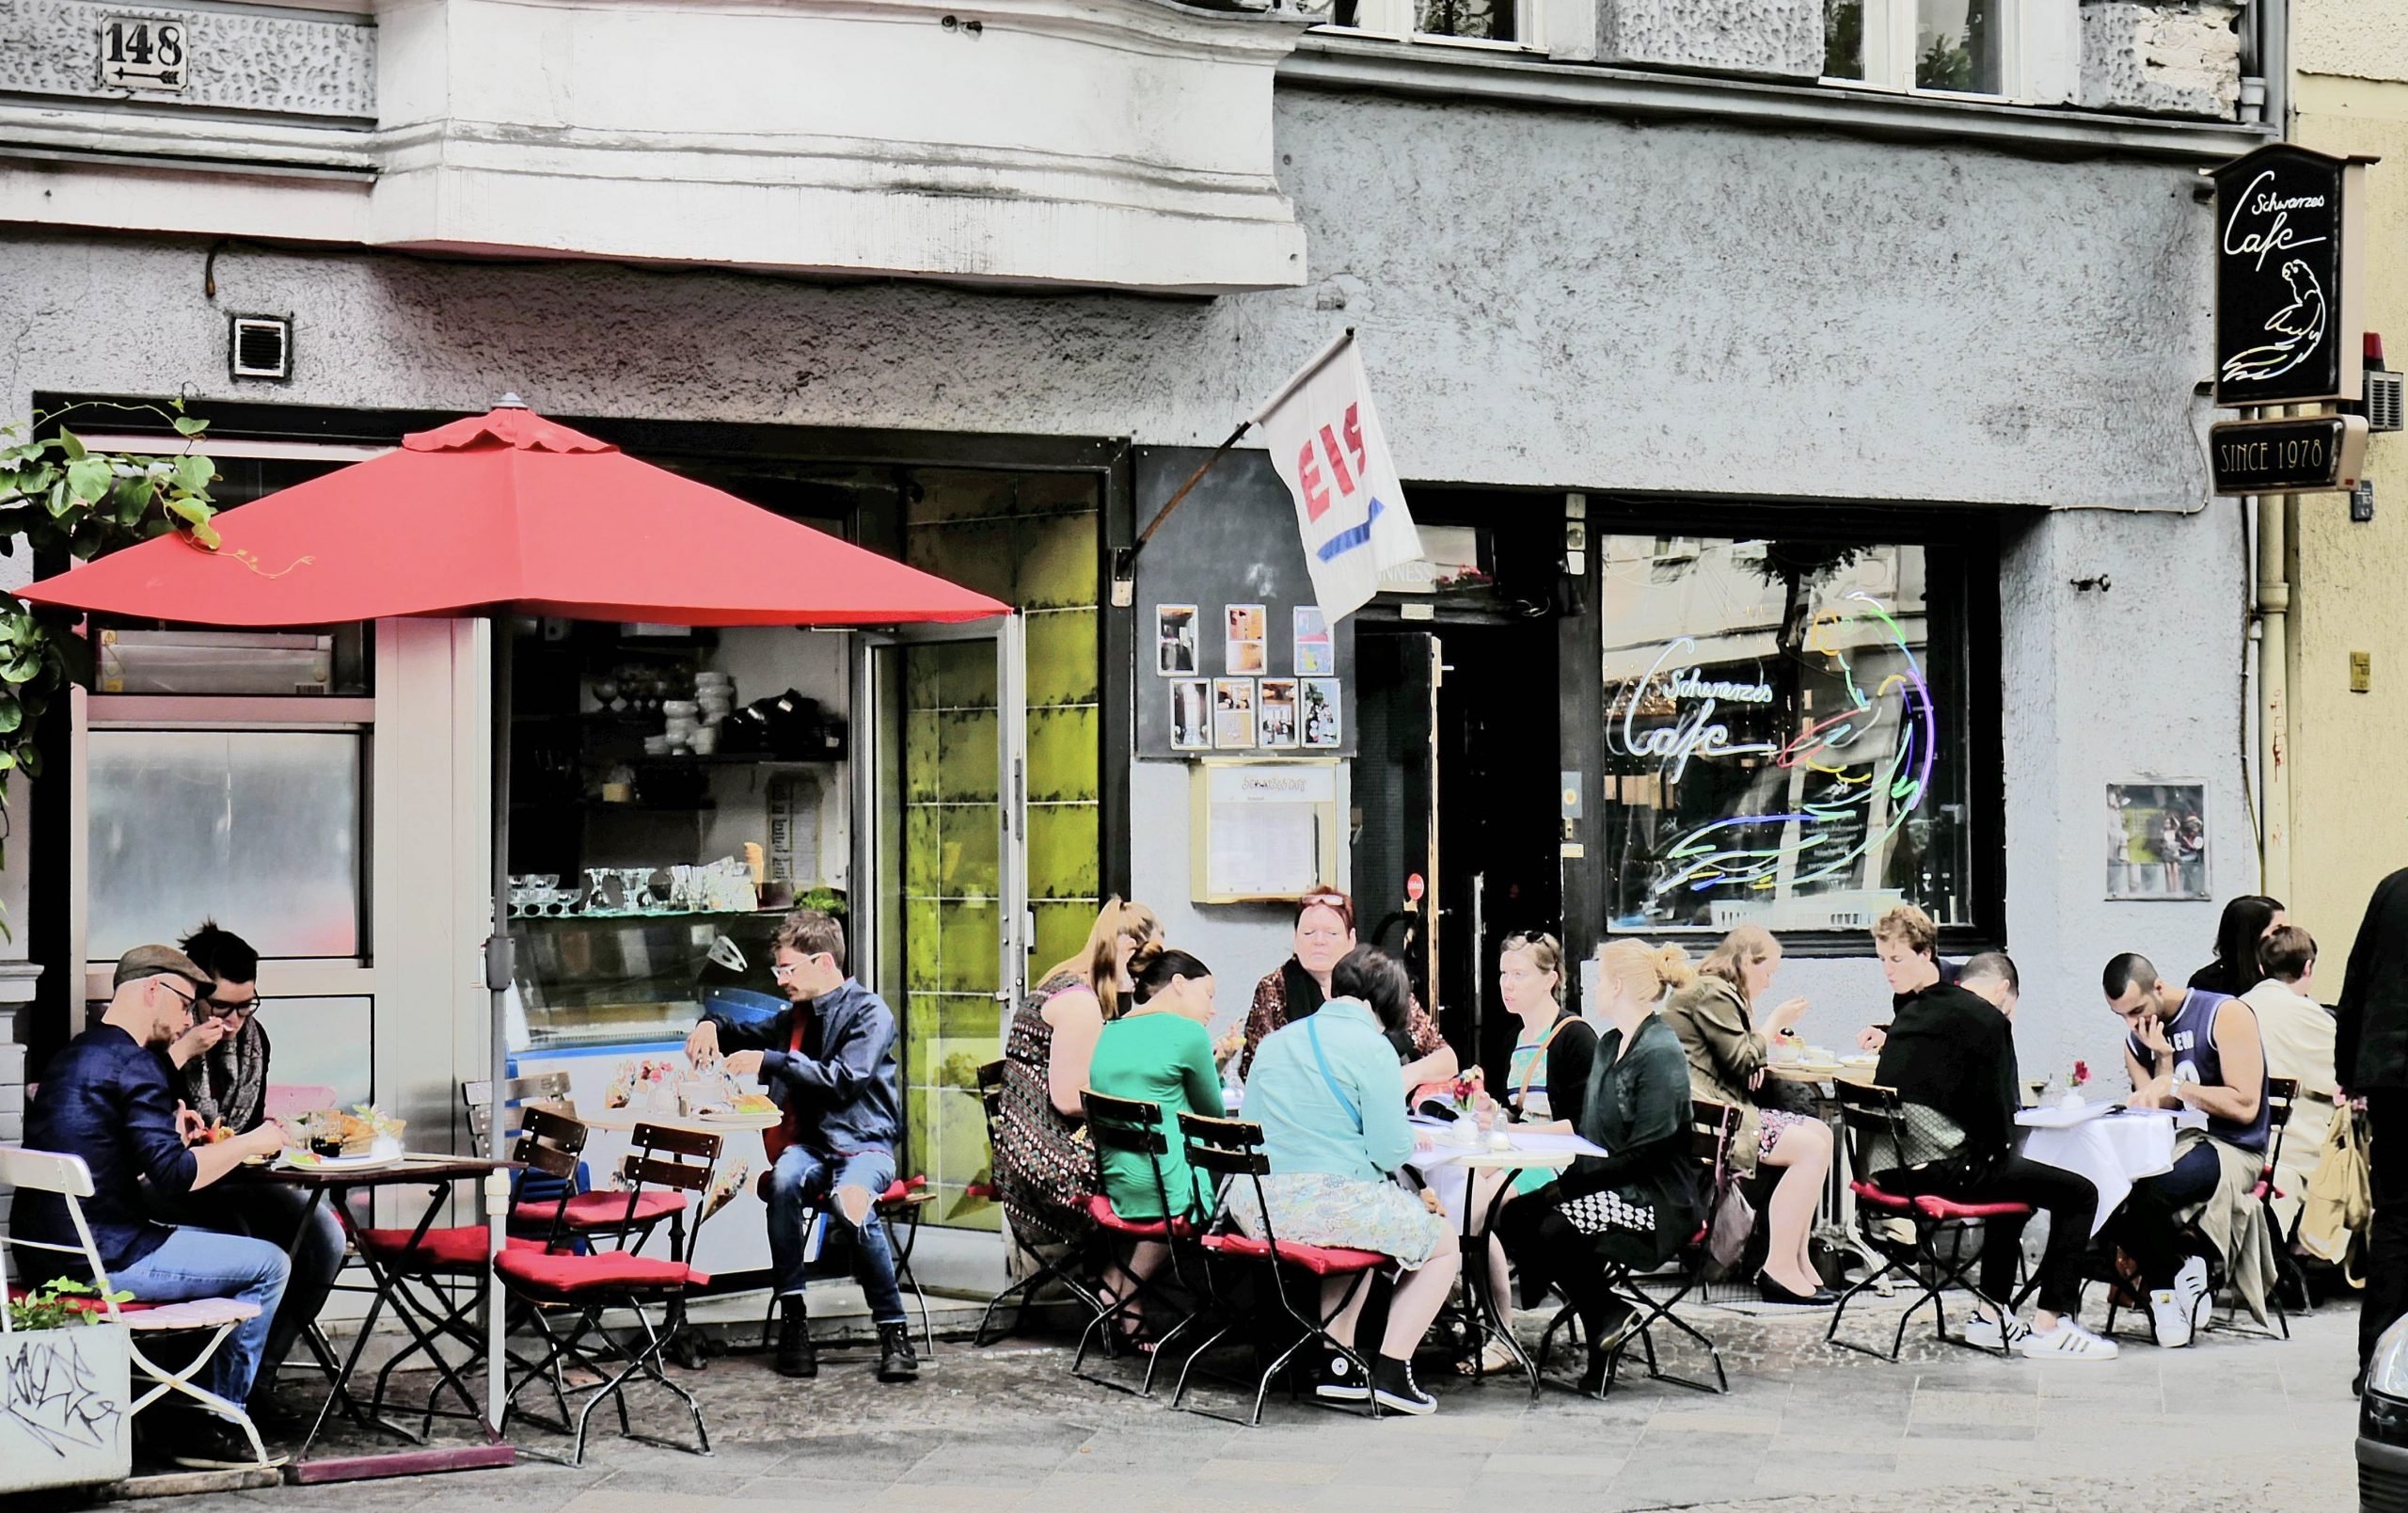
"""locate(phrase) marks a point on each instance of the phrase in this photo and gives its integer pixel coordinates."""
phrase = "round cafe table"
(2112, 1150)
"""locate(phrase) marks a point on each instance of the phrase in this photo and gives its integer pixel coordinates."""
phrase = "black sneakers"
(204, 1442)
(1341, 1381)
(796, 1355)
(1394, 1389)
(895, 1360)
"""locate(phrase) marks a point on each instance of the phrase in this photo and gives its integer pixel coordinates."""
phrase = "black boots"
(895, 1360)
(795, 1357)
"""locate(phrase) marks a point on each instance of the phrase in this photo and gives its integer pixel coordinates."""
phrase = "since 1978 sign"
(2287, 311)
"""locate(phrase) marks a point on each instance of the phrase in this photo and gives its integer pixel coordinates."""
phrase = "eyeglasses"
(785, 971)
(190, 1000)
(226, 1011)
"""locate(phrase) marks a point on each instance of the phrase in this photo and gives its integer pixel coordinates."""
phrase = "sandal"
(1494, 1360)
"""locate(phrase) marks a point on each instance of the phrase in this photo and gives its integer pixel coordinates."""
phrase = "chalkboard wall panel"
(1232, 541)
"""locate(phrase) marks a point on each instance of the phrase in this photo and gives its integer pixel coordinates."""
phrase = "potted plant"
(63, 1389)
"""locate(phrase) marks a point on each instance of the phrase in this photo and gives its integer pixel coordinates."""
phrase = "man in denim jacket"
(829, 1061)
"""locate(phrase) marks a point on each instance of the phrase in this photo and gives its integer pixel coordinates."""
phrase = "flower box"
(63, 1397)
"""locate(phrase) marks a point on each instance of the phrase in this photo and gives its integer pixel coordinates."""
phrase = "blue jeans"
(804, 1181)
(2147, 1227)
(198, 1262)
(273, 1213)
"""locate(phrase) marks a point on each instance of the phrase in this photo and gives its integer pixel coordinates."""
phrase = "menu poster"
(1191, 714)
(1319, 703)
(1316, 653)
(1278, 712)
(1264, 831)
(1244, 648)
(1174, 640)
(1233, 727)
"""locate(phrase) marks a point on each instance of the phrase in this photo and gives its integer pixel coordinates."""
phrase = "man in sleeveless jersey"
(2186, 1048)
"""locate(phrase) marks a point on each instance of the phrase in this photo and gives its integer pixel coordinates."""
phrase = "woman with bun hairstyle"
(1727, 1052)
(1043, 1171)
(1638, 1204)
(1158, 1052)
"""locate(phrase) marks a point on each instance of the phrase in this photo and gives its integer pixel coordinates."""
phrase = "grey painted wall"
(1545, 298)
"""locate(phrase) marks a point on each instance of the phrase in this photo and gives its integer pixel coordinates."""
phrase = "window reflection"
(1957, 47)
(1777, 746)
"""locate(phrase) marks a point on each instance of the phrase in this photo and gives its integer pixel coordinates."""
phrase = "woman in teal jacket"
(1326, 1091)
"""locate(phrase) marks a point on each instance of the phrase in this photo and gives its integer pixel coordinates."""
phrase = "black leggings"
(1546, 1249)
(2069, 1201)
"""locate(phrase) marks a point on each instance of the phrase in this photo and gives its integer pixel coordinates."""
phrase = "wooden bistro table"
(1446, 1159)
(334, 1185)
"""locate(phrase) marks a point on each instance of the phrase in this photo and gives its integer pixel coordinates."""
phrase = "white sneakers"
(1985, 1333)
(2068, 1340)
(2175, 1311)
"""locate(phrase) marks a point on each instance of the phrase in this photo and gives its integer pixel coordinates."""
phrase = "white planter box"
(62, 1406)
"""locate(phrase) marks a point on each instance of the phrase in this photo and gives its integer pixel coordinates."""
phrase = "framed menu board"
(1261, 830)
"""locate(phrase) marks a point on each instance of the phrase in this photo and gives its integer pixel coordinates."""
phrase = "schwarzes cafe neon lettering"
(1694, 731)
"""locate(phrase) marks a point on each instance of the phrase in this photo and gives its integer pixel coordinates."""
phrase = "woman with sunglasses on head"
(1546, 1079)
(1325, 933)
(1727, 1052)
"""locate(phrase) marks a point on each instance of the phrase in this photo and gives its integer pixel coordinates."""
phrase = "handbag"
(1734, 1220)
(2340, 1199)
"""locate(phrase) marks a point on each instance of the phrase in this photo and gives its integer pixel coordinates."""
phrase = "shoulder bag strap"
(1312, 1032)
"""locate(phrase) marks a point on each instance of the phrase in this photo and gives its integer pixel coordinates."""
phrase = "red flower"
(2081, 1073)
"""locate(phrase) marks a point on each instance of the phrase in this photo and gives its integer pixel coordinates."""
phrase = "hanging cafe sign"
(2288, 319)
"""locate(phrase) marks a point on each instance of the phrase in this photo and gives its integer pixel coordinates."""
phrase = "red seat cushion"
(897, 1191)
(460, 1247)
(539, 1270)
(1950, 1209)
(601, 1210)
(82, 1305)
(1107, 1217)
(1866, 1192)
(1321, 1260)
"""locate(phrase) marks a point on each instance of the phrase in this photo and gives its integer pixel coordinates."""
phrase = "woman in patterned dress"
(1325, 932)
(1045, 1172)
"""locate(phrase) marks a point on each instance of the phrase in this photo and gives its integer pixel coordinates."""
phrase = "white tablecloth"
(2114, 1150)
(1442, 1164)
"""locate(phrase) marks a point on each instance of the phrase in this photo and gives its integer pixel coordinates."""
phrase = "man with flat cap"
(106, 1097)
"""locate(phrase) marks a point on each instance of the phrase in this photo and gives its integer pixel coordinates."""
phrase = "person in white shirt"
(2298, 1034)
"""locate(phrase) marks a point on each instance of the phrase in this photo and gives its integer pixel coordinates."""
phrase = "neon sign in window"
(1778, 748)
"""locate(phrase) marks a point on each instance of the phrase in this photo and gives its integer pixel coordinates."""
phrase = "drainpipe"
(2276, 521)
(2275, 66)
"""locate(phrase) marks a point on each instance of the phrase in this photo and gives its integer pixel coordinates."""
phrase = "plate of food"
(298, 1160)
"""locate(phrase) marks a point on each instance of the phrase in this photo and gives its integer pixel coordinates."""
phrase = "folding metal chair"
(212, 1318)
(1064, 1270)
(1713, 1128)
(560, 1277)
(1132, 1128)
(1876, 1122)
(1229, 1150)
(2281, 1093)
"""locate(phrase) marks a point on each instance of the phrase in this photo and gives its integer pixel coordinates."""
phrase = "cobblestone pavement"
(2234, 1425)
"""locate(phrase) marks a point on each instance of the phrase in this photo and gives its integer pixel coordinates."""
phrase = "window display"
(1784, 733)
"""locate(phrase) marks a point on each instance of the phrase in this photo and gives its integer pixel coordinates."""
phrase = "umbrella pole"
(498, 978)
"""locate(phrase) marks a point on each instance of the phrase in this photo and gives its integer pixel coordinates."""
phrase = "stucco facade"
(2349, 821)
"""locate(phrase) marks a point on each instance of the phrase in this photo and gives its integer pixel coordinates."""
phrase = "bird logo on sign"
(2300, 326)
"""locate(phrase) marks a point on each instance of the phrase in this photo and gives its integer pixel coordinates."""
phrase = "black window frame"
(1974, 539)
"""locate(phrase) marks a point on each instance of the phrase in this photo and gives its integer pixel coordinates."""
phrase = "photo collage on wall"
(1250, 705)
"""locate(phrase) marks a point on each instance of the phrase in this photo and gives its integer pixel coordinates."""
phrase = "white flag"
(1326, 443)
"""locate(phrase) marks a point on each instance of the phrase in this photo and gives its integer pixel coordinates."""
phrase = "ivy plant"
(58, 494)
(58, 1305)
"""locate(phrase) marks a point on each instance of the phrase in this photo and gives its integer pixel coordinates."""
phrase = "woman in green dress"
(1158, 1052)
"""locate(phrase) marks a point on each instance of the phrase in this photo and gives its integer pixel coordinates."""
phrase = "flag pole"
(1124, 562)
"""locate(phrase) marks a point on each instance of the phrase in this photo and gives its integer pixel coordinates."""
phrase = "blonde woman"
(1727, 1053)
(1043, 1171)
(1640, 1204)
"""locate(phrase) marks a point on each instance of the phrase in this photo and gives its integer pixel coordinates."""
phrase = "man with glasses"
(106, 1097)
(829, 1061)
(221, 1066)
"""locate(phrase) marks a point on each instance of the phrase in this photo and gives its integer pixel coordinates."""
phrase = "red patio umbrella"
(506, 513)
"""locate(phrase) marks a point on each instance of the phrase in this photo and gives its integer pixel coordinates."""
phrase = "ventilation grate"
(2384, 400)
(261, 347)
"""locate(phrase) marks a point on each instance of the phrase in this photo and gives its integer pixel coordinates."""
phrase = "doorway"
(1456, 783)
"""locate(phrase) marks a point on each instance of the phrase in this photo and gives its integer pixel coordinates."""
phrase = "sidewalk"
(2233, 1426)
